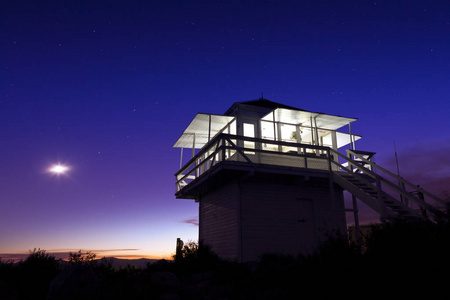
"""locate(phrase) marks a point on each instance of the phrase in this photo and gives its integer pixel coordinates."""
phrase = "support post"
(356, 219)
(352, 142)
(274, 126)
(193, 145)
(209, 129)
(316, 135)
(181, 158)
(298, 135)
(280, 148)
(331, 174)
(334, 145)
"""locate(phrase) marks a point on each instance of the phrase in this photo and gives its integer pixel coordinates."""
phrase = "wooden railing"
(253, 151)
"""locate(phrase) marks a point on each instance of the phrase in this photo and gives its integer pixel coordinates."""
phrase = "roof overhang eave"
(201, 129)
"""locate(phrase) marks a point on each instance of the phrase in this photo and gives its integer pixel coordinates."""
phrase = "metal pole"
(400, 183)
(396, 160)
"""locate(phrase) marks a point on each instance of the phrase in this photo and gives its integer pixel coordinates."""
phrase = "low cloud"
(63, 253)
(112, 250)
(193, 221)
(426, 165)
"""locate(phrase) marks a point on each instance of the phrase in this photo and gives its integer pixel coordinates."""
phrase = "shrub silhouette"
(36, 272)
(419, 246)
(197, 256)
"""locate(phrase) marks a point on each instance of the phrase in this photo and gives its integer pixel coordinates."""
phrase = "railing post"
(329, 160)
(197, 168)
(306, 158)
(223, 153)
(330, 176)
(349, 157)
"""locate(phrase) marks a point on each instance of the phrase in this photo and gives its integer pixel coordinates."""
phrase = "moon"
(59, 169)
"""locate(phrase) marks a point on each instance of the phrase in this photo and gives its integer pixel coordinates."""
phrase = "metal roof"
(323, 121)
(205, 127)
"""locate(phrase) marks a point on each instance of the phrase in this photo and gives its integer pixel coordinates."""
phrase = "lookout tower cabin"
(270, 178)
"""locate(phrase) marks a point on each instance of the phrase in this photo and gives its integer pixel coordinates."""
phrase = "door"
(305, 219)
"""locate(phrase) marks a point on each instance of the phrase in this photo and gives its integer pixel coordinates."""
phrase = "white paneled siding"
(219, 224)
(247, 218)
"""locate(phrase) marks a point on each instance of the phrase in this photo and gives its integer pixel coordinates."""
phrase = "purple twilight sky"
(107, 87)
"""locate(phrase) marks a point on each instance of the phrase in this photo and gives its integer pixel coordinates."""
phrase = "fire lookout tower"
(271, 178)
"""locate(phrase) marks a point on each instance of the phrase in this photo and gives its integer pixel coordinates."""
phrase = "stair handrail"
(359, 178)
(376, 176)
(400, 179)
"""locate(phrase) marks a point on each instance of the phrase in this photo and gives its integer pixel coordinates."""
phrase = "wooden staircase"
(383, 203)
(385, 192)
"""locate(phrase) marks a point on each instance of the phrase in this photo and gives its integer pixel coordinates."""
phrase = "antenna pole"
(400, 183)
(396, 160)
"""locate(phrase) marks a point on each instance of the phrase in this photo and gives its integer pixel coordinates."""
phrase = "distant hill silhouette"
(139, 263)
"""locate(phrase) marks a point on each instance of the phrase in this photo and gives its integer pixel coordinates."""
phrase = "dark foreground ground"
(402, 260)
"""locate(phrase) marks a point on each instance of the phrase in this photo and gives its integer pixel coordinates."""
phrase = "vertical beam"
(280, 148)
(334, 144)
(357, 227)
(274, 126)
(225, 143)
(239, 217)
(298, 132)
(352, 142)
(316, 134)
(209, 128)
(330, 177)
(193, 145)
(316, 131)
(181, 158)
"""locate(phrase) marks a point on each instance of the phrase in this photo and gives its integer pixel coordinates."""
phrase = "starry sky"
(107, 87)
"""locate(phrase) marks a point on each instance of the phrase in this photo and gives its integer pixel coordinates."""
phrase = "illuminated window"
(249, 131)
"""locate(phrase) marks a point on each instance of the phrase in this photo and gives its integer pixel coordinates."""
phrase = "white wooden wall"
(219, 221)
(287, 219)
(242, 220)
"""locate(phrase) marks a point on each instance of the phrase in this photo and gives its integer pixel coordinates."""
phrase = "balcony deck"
(231, 154)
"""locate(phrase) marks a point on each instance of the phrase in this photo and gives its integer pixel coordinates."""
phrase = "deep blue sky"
(107, 88)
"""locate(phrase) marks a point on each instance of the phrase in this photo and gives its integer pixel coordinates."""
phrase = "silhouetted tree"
(196, 256)
(79, 257)
(36, 272)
